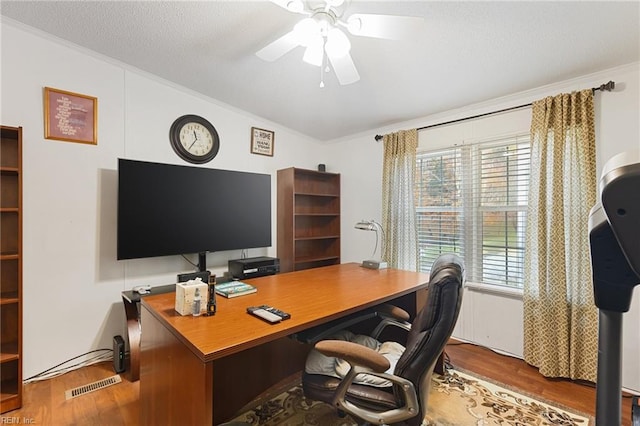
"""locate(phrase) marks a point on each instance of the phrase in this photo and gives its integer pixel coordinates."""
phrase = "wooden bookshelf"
(308, 219)
(10, 268)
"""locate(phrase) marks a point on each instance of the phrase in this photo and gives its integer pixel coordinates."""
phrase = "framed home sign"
(262, 141)
(70, 116)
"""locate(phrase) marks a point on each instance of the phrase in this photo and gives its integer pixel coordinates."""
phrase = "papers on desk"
(234, 289)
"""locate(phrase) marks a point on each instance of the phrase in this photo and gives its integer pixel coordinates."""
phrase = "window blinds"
(472, 200)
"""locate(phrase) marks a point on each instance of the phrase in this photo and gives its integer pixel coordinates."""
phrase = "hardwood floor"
(44, 402)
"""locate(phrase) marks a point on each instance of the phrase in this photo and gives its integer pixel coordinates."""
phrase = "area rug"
(456, 399)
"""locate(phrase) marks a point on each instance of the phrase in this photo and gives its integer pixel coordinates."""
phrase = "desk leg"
(176, 387)
(133, 335)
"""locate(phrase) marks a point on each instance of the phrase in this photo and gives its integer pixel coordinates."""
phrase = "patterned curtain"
(560, 317)
(398, 208)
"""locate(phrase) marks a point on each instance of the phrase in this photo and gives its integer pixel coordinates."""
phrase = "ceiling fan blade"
(278, 48)
(296, 6)
(384, 26)
(344, 68)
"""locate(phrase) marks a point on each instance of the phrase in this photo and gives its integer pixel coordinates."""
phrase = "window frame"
(470, 234)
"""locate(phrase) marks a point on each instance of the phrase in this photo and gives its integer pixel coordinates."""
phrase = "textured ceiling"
(468, 52)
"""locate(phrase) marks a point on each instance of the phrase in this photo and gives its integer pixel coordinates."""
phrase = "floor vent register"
(91, 387)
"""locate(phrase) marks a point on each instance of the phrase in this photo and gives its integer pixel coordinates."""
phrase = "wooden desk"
(186, 361)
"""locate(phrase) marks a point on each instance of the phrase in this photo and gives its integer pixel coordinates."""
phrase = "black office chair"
(358, 380)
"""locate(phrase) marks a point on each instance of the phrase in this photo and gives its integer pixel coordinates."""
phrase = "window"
(472, 200)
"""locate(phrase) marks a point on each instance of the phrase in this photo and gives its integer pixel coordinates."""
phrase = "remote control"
(278, 312)
(264, 315)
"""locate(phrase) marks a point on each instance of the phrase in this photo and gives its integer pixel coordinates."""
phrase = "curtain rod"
(603, 87)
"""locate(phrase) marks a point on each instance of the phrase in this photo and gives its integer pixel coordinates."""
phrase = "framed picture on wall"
(262, 141)
(70, 116)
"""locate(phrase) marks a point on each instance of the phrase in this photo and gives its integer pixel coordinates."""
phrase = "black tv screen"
(167, 209)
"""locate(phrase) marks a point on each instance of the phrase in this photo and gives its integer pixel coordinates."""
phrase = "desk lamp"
(614, 236)
(372, 225)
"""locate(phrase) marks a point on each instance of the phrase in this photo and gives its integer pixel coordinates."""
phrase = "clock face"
(194, 139)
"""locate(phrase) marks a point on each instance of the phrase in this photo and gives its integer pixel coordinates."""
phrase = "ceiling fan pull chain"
(322, 69)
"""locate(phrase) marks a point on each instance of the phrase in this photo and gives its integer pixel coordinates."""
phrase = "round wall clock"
(194, 139)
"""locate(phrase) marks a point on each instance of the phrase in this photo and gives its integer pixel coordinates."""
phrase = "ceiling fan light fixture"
(314, 53)
(338, 44)
(306, 31)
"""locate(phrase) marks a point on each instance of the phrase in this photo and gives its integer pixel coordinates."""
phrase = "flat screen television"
(166, 209)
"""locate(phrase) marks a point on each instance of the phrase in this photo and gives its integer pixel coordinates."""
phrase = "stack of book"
(234, 289)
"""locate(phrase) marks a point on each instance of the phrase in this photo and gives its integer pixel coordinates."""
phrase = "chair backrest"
(433, 325)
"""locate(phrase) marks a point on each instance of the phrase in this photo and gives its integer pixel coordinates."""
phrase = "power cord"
(50, 373)
(190, 262)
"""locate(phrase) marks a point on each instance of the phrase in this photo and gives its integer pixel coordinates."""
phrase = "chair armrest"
(387, 313)
(391, 315)
(392, 311)
(392, 416)
(354, 354)
(323, 331)
(364, 360)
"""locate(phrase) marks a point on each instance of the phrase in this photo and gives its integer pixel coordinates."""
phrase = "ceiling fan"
(322, 34)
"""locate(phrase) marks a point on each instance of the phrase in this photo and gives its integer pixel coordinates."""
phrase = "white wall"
(72, 281)
(490, 318)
